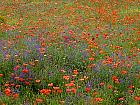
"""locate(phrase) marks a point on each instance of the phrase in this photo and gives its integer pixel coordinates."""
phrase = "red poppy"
(70, 84)
(137, 98)
(95, 93)
(68, 90)
(59, 90)
(45, 91)
(109, 86)
(39, 100)
(56, 88)
(98, 99)
(131, 92)
(17, 86)
(66, 77)
(102, 84)
(73, 90)
(88, 90)
(25, 70)
(131, 86)
(97, 35)
(51, 84)
(17, 66)
(27, 83)
(8, 91)
(121, 99)
(75, 72)
(1, 75)
(115, 78)
(25, 64)
(37, 80)
(21, 79)
(91, 59)
(124, 72)
(16, 95)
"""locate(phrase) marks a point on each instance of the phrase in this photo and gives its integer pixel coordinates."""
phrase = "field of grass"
(69, 52)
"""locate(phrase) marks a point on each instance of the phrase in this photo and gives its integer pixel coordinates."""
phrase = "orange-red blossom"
(45, 91)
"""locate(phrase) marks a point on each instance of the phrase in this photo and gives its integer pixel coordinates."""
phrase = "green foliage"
(2, 19)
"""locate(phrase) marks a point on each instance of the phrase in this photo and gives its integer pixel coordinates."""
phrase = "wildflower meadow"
(69, 52)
